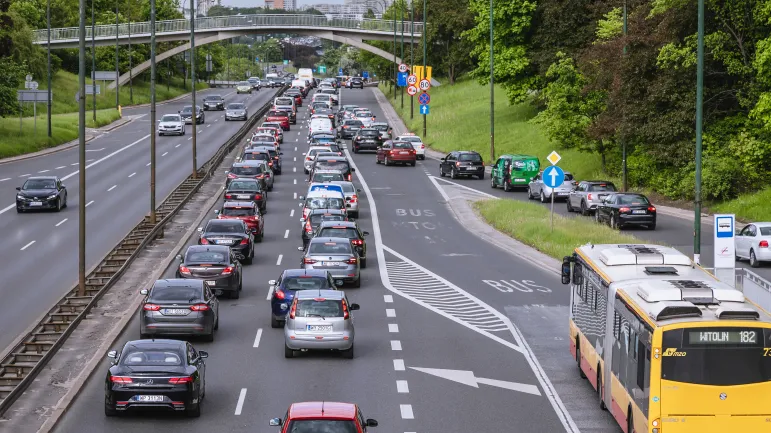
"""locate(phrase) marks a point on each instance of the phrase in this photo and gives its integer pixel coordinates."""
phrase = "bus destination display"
(722, 336)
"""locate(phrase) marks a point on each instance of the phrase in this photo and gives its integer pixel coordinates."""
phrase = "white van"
(320, 124)
(305, 74)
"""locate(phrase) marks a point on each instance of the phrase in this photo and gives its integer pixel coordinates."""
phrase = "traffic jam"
(311, 302)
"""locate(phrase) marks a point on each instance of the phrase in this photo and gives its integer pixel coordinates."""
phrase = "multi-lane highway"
(38, 249)
(439, 345)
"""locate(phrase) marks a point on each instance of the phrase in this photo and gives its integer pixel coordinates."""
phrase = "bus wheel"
(578, 360)
(600, 390)
(630, 422)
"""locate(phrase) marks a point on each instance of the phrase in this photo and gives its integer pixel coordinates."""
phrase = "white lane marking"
(434, 179)
(75, 163)
(295, 148)
(89, 203)
(61, 222)
(132, 174)
(165, 153)
(295, 159)
(388, 299)
(406, 410)
(180, 144)
(128, 146)
(200, 131)
(61, 167)
(270, 293)
(294, 169)
(189, 138)
(25, 175)
(393, 327)
(148, 164)
(208, 126)
(3, 180)
(295, 181)
(523, 346)
(280, 257)
(112, 188)
(27, 246)
(390, 312)
(295, 196)
(89, 160)
(44, 171)
(291, 213)
(286, 234)
(396, 345)
(402, 387)
(399, 364)
(257, 338)
(240, 404)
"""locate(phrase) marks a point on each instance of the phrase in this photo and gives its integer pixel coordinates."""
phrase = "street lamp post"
(152, 113)
(93, 58)
(412, 52)
(81, 150)
(192, 84)
(393, 22)
(624, 171)
(48, 23)
(131, 64)
(401, 10)
(117, 59)
(492, 87)
(699, 122)
(425, 71)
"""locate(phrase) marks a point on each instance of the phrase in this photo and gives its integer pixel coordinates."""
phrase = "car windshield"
(602, 187)
(205, 257)
(632, 199)
(170, 118)
(238, 212)
(213, 98)
(473, 157)
(324, 203)
(305, 283)
(151, 357)
(175, 294)
(244, 185)
(327, 177)
(402, 145)
(245, 171)
(235, 106)
(224, 227)
(319, 218)
(243, 83)
(39, 184)
(187, 109)
(345, 232)
(315, 308)
(333, 165)
(369, 132)
(568, 177)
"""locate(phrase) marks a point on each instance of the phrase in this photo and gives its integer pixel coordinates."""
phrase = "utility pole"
(131, 65)
(152, 113)
(396, 65)
(412, 52)
(624, 173)
(82, 150)
(699, 123)
(117, 59)
(401, 10)
(425, 71)
(93, 57)
(492, 87)
(48, 23)
(192, 82)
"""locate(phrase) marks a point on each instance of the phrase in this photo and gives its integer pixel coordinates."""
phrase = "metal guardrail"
(207, 24)
(23, 363)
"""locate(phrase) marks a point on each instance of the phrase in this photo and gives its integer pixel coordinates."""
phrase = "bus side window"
(642, 364)
(616, 324)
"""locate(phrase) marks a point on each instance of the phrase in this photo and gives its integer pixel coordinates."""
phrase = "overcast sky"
(259, 3)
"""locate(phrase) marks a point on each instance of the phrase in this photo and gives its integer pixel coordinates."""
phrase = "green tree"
(11, 77)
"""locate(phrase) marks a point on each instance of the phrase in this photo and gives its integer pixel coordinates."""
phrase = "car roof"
(327, 211)
(198, 248)
(224, 221)
(319, 409)
(179, 282)
(43, 178)
(350, 224)
(330, 157)
(249, 163)
(305, 272)
(466, 152)
(321, 293)
(239, 204)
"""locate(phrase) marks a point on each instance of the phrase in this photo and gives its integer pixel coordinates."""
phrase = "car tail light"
(259, 176)
(120, 379)
(308, 261)
(308, 158)
(346, 316)
(180, 380)
(422, 146)
(244, 241)
(358, 242)
(184, 270)
(293, 310)
(352, 261)
(199, 307)
(228, 196)
(358, 138)
(589, 196)
(280, 294)
(354, 199)
(624, 210)
(270, 164)
(231, 176)
(651, 209)
(345, 127)
(763, 244)
(151, 307)
(204, 241)
(349, 177)
(258, 197)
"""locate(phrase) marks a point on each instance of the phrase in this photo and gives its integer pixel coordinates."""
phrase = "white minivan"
(320, 124)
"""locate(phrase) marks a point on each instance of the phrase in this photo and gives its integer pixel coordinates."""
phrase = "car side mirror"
(365, 233)
(203, 354)
(371, 422)
(179, 257)
(353, 170)
(216, 211)
(354, 307)
(339, 283)
(275, 422)
(281, 153)
(227, 172)
(200, 229)
(300, 249)
(113, 354)
(18, 188)
(302, 197)
(272, 282)
(300, 204)
(143, 292)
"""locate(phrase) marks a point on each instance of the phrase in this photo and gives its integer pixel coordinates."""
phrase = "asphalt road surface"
(38, 250)
(439, 344)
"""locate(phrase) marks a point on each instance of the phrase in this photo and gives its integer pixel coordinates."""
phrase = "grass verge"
(64, 128)
(524, 222)
(748, 207)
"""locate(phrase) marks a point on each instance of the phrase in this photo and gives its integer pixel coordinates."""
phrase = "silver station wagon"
(320, 320)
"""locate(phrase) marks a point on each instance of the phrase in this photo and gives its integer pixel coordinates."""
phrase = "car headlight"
(19, 196)
(52, 196)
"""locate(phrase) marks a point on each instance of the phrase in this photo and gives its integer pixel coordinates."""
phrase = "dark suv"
(356, 82)
(213, 102)
(367, 139)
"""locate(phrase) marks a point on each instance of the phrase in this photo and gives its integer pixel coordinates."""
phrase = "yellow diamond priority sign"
(554, 157)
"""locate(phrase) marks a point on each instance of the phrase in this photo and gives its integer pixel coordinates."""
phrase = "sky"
(258, 3)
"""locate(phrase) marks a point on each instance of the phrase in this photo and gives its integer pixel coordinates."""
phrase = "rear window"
(224, 226)
(327, 177)
(238, 212)
(402, 145)
(284, 101)
(410, 139)
(632, 199)
(354, 123)
(205, 257)
(330, 248)
(324, 203)
(331, 232)
(381, 127)
(147, 357)
(181, 295)
(470, 157)
(305, 283)
(243, 185)
(334, 165)
(318, 308)
(318, 218)
(277, 113)
(765, 231)
(369, 133)
(256, 156)
(245, 171)
(347, 187)
(363, 114)
(602, 187)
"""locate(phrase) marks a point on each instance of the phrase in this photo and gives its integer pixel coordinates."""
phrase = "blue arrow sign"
(553, 176)
(340, 71)
(424, 99)
(365, 74)
(256, 59)
(401, 79)
(424, 109)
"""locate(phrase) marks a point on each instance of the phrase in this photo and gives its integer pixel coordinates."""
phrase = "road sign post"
(32, 95)
(552, 178)
(725, 248)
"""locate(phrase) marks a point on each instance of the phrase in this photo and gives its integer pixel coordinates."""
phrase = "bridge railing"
(232, 22)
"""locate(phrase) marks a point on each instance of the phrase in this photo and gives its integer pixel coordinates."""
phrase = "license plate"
(36, 203)
(465, 168)
(638, 211)
(242, 196)
(175, 312)
(563, 193)
(211, 283)
(224, 242)
(319, 328)
(150, 398)
(330, 263)
(519, 180)
(404, 153)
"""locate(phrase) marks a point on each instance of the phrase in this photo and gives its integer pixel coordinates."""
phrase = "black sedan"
(156, 374)
(179, 307)
(41, 192)
(213, 102)
(462, 163)
(626, 209)
(248, 190)
(215, 264)
(349, 128)
(367, 139)
(314, 219)
(232, 233)
(346, 229)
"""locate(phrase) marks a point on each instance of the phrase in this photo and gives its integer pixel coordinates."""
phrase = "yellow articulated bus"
(667, 347)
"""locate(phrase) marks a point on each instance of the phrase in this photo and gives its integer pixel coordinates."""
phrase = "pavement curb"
(65, 402)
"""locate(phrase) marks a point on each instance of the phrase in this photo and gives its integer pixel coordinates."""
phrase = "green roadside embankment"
(64, 117)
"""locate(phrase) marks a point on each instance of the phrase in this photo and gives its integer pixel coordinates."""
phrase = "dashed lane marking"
(61, 167)
(399, 364)
(112, 188)
(280, 257)
(27, 246)
(402, 387)
(3, 180)
(257, 338)
(132, 174)
(44, 171)
(240, 404)
(61, 222)
(89, 203)
(393, 327)
(286, 234)
(406, 411)
(396, 345)
(25, 175)
(388, 299)
(165, 153)
(390, 312)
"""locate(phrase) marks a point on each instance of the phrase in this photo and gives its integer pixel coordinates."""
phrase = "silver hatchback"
(537, 189)
(335, 255)
(320, 320)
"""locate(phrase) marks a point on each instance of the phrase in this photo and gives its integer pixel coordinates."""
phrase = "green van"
(512, 171)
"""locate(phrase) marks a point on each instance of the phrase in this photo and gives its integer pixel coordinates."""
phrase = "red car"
(281, 117)
(324, 416)
(247, 212)
(298, 99)
(396, 152)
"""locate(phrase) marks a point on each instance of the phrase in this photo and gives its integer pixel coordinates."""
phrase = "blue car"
(290, 281)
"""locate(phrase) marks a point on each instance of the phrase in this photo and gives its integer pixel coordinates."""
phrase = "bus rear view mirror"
(566, 270)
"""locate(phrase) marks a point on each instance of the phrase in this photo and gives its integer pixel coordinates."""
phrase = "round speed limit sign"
(403, 67)
(425, 84)
(412, 90)
(412, 80)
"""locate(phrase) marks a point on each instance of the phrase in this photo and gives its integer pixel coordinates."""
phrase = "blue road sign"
(339, 71)
(725, 226)
(424, 109)
(553, 176)
(424, 99)
(401, 79)
(313, 70)
(256, 59)
(365, 74)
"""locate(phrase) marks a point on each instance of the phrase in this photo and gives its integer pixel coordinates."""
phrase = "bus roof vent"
(650, 293)
(737, 313)
(675, 310)
(660, 270)
(631, 255)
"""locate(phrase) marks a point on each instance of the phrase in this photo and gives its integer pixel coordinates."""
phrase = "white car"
(752, 243)
(366, 118)
(171, 124)
(320, 124)
(417, 144)
(310, 156)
